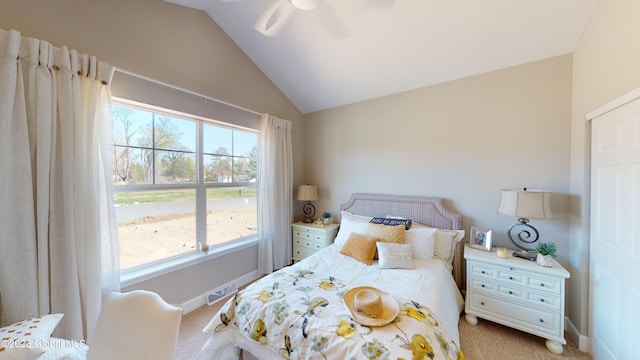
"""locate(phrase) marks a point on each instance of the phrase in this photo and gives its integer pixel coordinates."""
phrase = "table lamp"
(308, 193)
(525, 204)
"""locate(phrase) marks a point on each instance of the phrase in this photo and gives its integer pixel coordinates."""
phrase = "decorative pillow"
(395, 256)
(422, 240)
(445, 244)
(360, 247)
(386, 233)
(392, 222)
(21, 340)
(351, 223)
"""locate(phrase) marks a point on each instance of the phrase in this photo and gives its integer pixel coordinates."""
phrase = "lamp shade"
(529, 204)
(307, 193)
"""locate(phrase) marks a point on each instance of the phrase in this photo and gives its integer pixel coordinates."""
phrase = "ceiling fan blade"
(275, 17)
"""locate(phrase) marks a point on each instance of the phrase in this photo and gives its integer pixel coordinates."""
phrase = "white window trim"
(159, 267)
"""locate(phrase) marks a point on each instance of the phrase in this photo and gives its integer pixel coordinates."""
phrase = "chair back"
(135, 325)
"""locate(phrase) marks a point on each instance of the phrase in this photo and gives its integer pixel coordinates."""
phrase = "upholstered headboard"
(429, 211)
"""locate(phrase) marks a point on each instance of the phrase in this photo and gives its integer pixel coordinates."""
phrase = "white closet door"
(614, 285)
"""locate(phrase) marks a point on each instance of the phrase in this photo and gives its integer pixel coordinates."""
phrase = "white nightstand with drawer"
(517, 293)
(309, 238)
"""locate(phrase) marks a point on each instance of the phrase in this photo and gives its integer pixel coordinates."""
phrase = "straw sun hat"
(370, 306)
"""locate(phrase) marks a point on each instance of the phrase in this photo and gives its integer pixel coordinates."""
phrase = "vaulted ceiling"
(344, 51)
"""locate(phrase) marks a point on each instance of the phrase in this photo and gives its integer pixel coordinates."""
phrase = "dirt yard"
(156, 237)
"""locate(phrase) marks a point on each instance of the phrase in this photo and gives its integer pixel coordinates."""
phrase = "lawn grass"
(165, 196)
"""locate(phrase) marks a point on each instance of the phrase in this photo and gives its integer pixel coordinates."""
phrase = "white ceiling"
(347, 51)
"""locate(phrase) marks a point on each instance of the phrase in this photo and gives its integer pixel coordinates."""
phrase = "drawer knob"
(541, 320)
(510, 278)
(482, 303)
(541, 300)
(483, 271)
(510, 292)
(482, 285)
(542, 285)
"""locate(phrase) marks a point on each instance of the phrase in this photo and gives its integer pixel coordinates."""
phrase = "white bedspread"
(429, 288)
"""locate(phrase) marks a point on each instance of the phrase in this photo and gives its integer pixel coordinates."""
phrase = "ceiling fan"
(277, 15)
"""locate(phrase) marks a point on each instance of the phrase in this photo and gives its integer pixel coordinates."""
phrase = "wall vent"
(221, 292)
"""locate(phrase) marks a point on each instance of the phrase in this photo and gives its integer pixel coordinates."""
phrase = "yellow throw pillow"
(387, 233)
(360, 247)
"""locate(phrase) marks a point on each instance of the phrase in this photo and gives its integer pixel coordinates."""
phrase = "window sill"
(136, 276)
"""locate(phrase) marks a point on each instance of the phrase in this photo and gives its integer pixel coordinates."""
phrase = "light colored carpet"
(485, 341)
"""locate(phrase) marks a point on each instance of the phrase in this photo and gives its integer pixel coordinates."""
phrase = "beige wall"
(606, 64)
(463, 140)
(175, 45)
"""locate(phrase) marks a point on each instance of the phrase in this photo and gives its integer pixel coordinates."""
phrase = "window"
(180, 180)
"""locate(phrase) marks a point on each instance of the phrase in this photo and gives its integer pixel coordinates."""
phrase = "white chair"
(137, 325)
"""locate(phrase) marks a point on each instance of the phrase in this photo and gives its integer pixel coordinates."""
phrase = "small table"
(310, 238)
(517, 293)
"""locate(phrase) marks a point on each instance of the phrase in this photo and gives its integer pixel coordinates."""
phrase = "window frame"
(154, 268)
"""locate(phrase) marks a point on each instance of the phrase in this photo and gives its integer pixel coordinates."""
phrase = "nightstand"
(309, 238)
(517, 293)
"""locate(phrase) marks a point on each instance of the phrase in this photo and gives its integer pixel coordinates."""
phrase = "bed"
(299, 312)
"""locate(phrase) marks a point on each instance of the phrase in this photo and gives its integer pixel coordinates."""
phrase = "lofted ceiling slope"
(345, 51)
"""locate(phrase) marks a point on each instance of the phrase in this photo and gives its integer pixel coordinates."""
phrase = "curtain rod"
(127, 72)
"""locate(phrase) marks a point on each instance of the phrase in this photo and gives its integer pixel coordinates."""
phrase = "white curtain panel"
(275, 194)
(58, 244)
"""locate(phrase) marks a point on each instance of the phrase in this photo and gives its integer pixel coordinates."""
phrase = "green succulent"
(548, 248)
(326, 214)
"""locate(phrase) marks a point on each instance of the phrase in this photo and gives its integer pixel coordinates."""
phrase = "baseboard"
(575, 336)
(190, 305)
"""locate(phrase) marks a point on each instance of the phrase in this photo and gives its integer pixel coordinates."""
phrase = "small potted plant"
(327, 217)
(546, 252)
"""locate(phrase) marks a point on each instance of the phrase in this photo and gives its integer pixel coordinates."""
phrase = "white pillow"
(356, 217)
(422, 240)
(24, 339)
(446, 241)
(351, 223)
(394, 256)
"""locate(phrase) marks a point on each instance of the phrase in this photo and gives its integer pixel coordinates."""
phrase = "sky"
(214, 136)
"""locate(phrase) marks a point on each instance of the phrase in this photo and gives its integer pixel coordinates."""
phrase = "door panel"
(615, 240)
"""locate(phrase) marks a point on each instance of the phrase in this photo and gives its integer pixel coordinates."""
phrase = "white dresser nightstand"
(309, 238)
(517, 293)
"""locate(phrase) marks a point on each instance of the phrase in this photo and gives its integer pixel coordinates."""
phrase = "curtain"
(58, 244)
(275, 194)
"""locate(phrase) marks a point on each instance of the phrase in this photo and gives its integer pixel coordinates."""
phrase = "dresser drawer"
(511, 292)
(309, 244)
(553, 286)
(511, 276)
(482, 285)
(482, 271)
(549, 301)
(527, 318)
(300, 253)
(310, 236)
